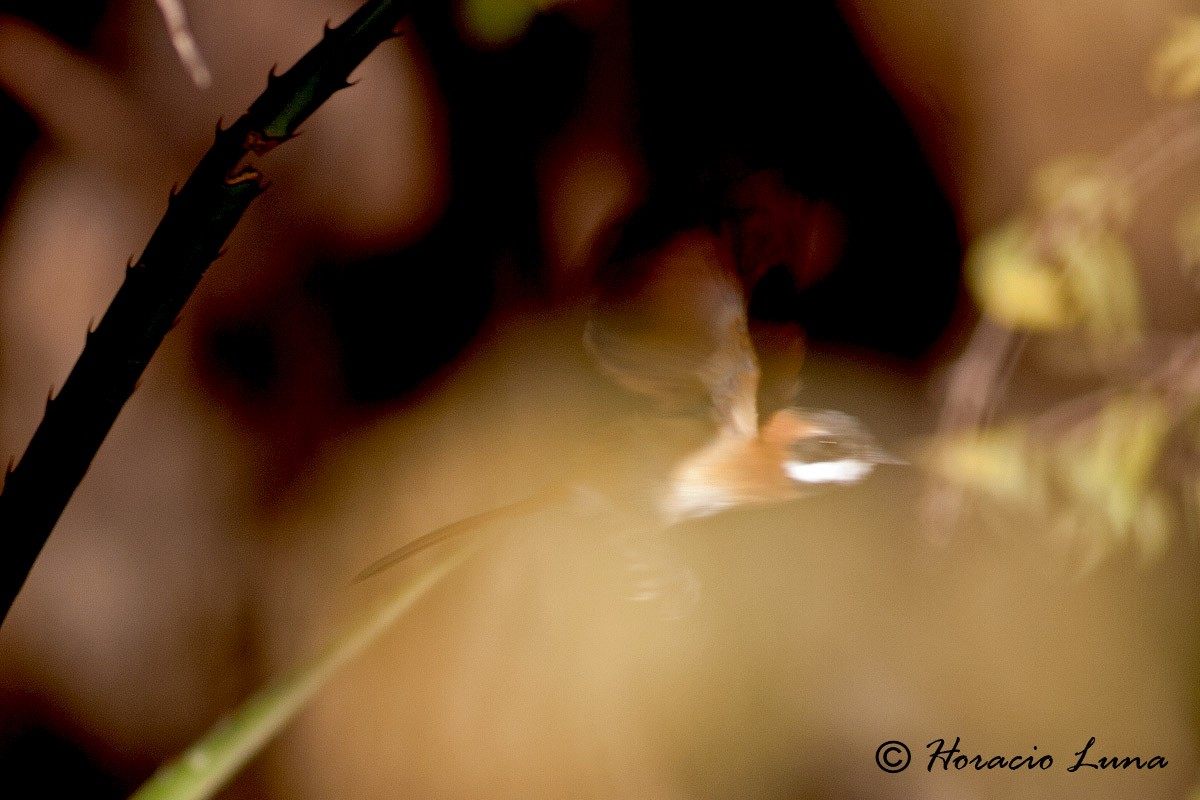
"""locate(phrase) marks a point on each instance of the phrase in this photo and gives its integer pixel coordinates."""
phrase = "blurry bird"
(673, 328)
(670, 323)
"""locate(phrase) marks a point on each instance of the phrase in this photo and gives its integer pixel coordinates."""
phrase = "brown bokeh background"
(392, 342)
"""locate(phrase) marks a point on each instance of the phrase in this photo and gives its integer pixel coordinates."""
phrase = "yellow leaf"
(1014, 288)
(1110, 466)
(994, 462)
(1102, 281)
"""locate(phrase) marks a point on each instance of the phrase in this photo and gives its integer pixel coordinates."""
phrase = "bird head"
(823, 447)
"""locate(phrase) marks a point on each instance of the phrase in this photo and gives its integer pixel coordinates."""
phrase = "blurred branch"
(979, 378)
(977, 381)
(175, 18)
(198, 220)
(1175, 379)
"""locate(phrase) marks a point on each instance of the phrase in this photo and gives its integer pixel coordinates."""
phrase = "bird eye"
(811, 451)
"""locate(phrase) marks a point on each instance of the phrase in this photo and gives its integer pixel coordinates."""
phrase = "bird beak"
(881, 456)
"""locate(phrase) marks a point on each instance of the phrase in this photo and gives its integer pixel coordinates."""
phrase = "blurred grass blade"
(207, 765)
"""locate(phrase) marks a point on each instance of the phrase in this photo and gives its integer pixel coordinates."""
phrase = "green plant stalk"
(207, 765)
(198, 220)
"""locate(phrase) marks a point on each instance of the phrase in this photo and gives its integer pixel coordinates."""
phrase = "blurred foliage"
(1092, 486)
(1064, 263)
(1015, 288)
(1062, 269)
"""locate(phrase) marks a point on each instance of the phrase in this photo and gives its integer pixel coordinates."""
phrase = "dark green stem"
(199, 219)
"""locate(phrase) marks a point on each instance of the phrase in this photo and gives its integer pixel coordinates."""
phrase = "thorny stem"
(980, 376)
(198, 220)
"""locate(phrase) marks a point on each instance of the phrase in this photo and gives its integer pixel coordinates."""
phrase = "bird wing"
(671, 325)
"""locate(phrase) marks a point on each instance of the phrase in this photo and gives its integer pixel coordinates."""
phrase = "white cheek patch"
(845, 470)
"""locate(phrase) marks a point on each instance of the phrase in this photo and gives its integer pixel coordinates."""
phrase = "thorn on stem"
(245, 174)
(261, 143)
